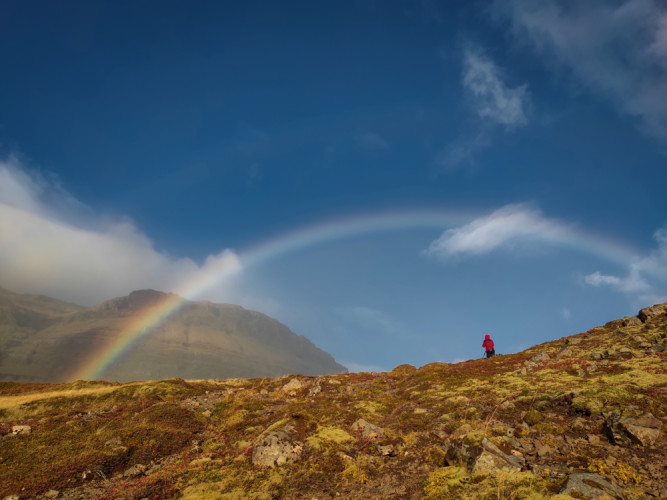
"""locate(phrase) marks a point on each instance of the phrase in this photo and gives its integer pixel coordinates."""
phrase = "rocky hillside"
(580, 417)
(43, 340)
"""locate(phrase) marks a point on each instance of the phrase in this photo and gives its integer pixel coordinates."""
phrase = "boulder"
(21, 429)
(539, 357)
(648, 313)
(483, 458)
(573, 341)
(367, 429)
(293, 386)
(632, 428)
(275, 449)
(565, 351)
(591, 486)
(633, 321)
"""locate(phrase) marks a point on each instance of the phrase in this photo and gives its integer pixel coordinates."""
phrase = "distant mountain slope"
(43, 339)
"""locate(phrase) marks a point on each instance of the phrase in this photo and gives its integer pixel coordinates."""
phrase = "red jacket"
(488, 345)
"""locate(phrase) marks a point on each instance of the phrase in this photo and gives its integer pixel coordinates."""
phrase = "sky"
(391, 179)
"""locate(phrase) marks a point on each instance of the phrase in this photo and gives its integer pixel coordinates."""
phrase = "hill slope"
(46, 340)
(583, 415)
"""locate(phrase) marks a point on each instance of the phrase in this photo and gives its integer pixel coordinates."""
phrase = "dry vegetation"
(194, 439)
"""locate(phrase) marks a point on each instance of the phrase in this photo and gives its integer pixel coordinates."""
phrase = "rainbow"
(151, 317)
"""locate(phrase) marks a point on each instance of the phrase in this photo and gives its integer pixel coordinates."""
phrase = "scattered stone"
(507, 405)
(484, 458)
(294, 385)
(545, 450)
(52, 494)
(207, 413)
(596, 356)
(462, 431)
(610, 353)
(11, 497)
(276, 449)
(565, 351)
(624, 352)
(591, 485)
(657, 348)
(640, 340)
(114, 442)
(593, 439)
(420, 411)
(632, 428)
(387, 450)
(367, 429)
(539, 357)
(135, 471)
(573, 341)
(21, 429)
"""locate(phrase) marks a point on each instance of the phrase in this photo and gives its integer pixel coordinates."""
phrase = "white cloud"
(43, 251)
(632, 283)
(636, 283)
(502, 228)
(495, 103)
(617, 50)
(492, 98)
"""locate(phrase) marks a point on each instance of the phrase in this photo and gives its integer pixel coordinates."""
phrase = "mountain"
(44, 340)
(579, 417)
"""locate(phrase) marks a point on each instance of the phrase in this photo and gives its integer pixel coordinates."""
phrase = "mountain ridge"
(195, 340)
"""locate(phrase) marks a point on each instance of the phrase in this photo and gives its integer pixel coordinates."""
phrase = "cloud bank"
(617, 50)
(43, 250)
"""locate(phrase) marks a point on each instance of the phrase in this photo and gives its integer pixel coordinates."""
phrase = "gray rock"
(632, 428)
(633, 321)
(367, 429)
(276, 449)
(539, 357)
(573, 341)
(565, 351)
(591, 485)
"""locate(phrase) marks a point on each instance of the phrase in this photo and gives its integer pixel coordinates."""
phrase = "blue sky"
(391, 179)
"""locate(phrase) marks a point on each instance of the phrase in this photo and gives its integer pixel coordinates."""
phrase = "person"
(488, 345)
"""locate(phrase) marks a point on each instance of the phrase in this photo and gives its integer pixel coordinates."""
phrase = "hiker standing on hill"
(488, 345)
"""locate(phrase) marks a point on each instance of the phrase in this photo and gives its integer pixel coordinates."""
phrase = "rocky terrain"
(44, 340)
(579, 417)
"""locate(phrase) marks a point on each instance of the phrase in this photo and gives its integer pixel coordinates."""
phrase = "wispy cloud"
(495, 103)
(635, 283)
(502, 228)
(492, 98)
(43, 250)
(617, 50)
